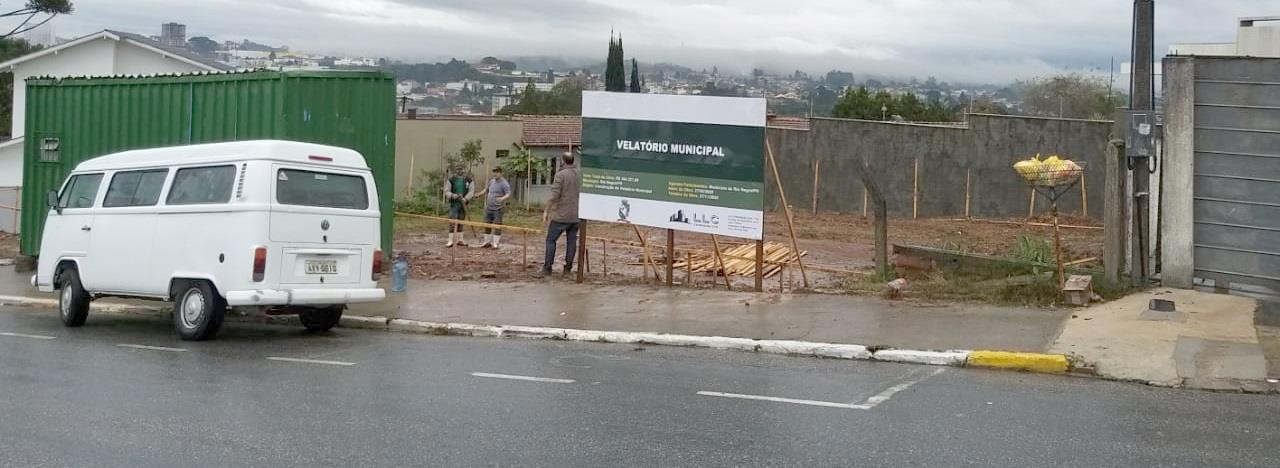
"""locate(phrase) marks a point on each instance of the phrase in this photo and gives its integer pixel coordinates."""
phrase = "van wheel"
(198, 311)
(320, 319)
(73, 302)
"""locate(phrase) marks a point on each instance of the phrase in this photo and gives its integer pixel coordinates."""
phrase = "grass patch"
(1039, 289)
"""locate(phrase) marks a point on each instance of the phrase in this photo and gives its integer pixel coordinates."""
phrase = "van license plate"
(322, 267)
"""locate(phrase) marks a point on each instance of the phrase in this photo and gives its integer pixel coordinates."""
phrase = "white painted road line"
(153, 348)
(827, 404)
(866, 405)
(889, 392)
(521, 377)
(311, 361)
(24, 335)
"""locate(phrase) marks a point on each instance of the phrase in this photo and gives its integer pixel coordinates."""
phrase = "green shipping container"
(76, 119)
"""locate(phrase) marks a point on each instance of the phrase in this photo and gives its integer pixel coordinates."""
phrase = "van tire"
(197, 311)
(320, 319)
(73, 300)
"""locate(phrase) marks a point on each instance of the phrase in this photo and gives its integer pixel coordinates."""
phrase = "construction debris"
(740, 260)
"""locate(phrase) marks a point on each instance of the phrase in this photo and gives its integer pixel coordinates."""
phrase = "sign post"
(680, 163)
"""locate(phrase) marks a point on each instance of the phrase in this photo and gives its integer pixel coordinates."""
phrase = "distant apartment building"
(173, 35)
(1255, 37)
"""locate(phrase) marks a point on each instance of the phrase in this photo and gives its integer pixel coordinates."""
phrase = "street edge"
(1056, 364)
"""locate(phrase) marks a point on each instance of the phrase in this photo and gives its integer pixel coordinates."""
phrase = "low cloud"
(958, 40)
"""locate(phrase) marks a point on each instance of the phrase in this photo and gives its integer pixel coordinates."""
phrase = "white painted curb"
(955, 358)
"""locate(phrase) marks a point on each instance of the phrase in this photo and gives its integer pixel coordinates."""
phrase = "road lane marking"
(866, 405)
(827, 404)
(521, 377)
(889, 392)
(153, 348)
(311, 361)
(24, 335)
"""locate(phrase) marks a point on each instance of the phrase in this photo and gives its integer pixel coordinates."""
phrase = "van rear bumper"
(258, 297)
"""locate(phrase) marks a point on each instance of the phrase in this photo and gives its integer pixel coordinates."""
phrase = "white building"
(104, 53)
(1257, 36)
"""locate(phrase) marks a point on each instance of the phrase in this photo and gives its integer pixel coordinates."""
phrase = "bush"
(1033, 250)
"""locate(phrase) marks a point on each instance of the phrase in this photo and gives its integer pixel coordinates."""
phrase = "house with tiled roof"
(104, 53)
(548, 137)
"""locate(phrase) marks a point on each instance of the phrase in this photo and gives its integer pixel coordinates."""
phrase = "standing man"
(458, 189)
(496, 192)
(562, 212)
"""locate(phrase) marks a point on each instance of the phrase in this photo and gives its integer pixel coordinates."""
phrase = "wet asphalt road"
(76, 397)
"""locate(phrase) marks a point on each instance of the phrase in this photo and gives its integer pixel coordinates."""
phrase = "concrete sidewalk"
(803, 317)
(1211, 342)
(1216, 347)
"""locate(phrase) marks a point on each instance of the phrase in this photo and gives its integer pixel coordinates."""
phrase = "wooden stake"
(1057, 248)
(815, 185)
(915, 192)
(409, 186)
(604, 264)
(671, 256)
(759, 265)
(688, 269)
(864, 202)
(524, 250)
(648, 261)
(582, 250)
(967, 193)
(1084, 198)
(781, 277)
(1031, 209)
(720, 262)
(795, 245)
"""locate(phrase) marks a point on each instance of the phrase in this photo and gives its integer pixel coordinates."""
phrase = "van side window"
(81, 191)
(135, 188)
(308, 188)
(201, 185)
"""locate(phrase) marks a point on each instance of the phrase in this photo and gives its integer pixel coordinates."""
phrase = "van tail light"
(259, 263)
(377, 264)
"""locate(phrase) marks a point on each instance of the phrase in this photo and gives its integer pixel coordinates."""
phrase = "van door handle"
(85, 228)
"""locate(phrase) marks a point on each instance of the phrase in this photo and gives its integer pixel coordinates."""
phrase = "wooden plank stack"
(740, 260)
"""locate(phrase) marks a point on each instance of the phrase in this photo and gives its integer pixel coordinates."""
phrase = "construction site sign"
(689, 163)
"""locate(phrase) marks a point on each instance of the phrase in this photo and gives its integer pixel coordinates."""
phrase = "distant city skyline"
(993, 41)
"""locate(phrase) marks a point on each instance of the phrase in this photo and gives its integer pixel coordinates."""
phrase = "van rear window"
(309, 188)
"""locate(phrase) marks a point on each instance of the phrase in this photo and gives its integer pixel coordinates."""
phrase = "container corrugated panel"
(91, 117)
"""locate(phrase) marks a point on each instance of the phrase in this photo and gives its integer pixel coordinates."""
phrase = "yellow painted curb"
(1033, 362)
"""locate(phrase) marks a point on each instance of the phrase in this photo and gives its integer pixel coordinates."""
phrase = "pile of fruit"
(1050, 171)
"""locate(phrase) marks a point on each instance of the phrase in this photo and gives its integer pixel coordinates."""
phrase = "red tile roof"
(551, 130)
(788, 123)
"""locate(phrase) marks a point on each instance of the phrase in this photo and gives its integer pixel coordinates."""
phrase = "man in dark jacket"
(458, 190)
(562, 215)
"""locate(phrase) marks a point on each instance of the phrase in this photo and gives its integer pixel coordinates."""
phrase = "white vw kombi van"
(291, 227)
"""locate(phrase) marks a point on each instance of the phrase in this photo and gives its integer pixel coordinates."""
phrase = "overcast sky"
(989, 41)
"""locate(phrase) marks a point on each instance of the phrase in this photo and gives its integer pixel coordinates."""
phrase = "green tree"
(1069, 96)
(10, 48)
(635, 76)
(565, 98)
(202, 46)
(34, 8)
(860, 103)
(615, 74)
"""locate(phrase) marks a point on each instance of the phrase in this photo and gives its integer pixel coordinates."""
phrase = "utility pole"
(1141, 98)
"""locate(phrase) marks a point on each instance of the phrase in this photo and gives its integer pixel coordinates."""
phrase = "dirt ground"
(8, 245)
(833, 242)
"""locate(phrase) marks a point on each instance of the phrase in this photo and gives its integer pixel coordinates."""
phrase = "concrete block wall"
(984, 151)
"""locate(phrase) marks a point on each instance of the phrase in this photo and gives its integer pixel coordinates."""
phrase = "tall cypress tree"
(615, 74)
(635, 76)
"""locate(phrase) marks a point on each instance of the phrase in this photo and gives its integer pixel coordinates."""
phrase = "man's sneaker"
(487, 246)
(448, 244)
(540, 274)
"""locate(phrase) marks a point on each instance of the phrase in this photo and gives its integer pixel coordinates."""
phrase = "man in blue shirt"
(497, 192)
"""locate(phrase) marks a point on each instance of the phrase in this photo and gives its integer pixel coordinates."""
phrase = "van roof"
(278, 150)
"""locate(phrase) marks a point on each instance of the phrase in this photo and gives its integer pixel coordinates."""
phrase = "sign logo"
(679, 217)
(624, 210)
